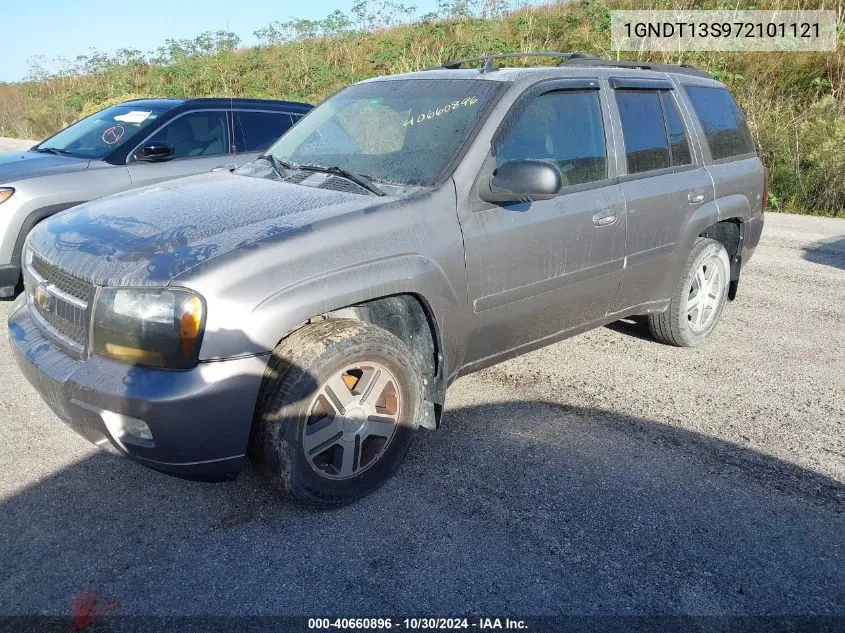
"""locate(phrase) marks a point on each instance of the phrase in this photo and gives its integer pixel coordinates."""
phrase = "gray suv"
(136, 143)
(309, 309)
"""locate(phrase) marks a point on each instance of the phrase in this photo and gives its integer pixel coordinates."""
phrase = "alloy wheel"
(705, 294)
(351, 420)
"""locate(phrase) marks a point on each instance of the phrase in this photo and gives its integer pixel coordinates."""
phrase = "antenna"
(231, 116)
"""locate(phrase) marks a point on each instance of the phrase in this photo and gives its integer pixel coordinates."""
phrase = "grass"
(795, 102)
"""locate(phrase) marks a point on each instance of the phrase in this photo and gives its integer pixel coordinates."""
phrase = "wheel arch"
(407, 295)
(33, 217)
(730, 232)
(410, 318)
(723, 220)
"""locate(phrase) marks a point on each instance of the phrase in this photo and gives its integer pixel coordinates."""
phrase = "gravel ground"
(14, 144)
(604, 475)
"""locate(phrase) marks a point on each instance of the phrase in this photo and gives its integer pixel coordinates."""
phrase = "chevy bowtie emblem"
(42, 298)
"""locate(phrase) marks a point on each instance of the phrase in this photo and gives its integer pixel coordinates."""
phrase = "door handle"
(695, 198)
(605, 218)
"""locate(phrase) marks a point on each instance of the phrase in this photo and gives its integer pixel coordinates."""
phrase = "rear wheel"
(698, 299)
(337, 411)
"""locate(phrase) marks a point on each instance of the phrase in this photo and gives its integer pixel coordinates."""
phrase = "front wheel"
(698, 299)
(337, 411)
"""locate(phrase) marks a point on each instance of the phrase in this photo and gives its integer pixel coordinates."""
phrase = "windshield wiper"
(279, 165)
(359, 179)
(52, 150)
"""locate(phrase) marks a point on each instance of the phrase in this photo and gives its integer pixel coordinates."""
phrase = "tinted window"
(678, 144)
(256, 131)
(646, 146)
(563, 127)
(195, 134)
(405, 132)
(723, 122)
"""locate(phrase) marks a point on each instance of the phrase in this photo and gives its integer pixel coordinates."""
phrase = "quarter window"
(256, 131)
(564, 127)
(195, 134)
(723, 122)
(646, 145)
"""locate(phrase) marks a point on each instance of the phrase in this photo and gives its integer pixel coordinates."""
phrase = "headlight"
(161, 327)
(5, 194)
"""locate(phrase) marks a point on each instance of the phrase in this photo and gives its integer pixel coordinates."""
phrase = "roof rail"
(597, 62)
(489, 60)
(580, 59)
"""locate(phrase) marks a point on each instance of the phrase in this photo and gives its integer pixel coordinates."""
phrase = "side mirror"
(155, 151)
(522, 180)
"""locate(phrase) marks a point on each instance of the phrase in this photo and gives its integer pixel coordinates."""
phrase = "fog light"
(127, 429)
(124, 429)
(137, 428)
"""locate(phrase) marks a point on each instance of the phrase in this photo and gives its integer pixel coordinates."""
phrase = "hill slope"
(795, 102)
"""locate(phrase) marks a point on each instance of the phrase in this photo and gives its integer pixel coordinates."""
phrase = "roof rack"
(583, 60)
(597, 62)
(490, 65)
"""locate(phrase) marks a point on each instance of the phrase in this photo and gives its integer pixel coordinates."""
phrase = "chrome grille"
(65, 328)
(65, 282)
(61, 301)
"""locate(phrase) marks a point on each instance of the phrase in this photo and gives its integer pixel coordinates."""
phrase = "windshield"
(100, 134)
(404, 132)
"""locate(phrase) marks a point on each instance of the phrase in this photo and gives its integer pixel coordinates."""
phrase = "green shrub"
(794, 102)
(820, 177)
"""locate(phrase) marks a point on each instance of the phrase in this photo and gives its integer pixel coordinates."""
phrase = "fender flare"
(285, 310)
(34, 217)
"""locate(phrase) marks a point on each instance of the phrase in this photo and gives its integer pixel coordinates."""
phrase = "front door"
(537, 269)
(201, 142)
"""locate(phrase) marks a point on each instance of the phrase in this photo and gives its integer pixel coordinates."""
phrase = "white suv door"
(200, 141)
(253, 131)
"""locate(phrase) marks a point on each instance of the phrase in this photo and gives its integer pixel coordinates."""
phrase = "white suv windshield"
(405, 132)
(101, 133)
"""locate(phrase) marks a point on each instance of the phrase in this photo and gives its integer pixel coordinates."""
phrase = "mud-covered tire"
(681, 324)
(301, 379)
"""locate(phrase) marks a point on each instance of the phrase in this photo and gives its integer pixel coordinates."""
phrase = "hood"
(149, 235)
(19, 165)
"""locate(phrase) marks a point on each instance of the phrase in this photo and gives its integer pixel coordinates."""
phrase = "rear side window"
(256, 131)
(563, 127)
(646, 145)
(723, 122)
(678, 143)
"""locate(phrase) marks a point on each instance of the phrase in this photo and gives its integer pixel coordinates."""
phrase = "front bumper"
(200, 419)
(13, 214)
(10, 278)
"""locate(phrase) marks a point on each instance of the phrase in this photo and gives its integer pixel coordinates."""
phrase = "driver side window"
(564, 127)
(195, 134)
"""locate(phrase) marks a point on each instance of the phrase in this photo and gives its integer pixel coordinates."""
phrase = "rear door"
(200, 139)
(537, 269)
(736, 169)
(664, 181)
(253, 131)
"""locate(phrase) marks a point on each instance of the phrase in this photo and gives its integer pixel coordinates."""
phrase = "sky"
(67, 28)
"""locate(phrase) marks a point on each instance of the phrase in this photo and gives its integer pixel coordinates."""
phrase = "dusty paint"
(267, 255)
